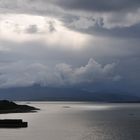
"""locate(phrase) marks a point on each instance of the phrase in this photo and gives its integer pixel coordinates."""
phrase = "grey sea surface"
(76, 121)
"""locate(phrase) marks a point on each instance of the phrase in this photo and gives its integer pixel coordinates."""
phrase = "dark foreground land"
(13, 123)
(11, 107)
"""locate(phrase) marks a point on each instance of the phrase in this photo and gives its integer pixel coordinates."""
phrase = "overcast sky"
(92, 44)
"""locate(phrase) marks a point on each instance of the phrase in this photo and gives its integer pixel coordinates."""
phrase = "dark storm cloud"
(97, 27)
(120, 32)
(100, 5)
(85, 5)
(126, 32)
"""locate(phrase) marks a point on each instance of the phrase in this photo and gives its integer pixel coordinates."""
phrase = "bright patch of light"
(15, 27)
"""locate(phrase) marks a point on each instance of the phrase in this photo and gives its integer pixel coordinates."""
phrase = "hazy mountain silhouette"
(62, 94)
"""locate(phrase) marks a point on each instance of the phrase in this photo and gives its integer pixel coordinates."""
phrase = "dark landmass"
(124, 101)
(38, 93)
(11, 107)
(13, 123)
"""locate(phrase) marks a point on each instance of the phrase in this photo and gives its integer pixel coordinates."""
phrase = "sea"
(76, 121)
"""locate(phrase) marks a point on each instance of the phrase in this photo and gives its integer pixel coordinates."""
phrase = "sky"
(86, 44)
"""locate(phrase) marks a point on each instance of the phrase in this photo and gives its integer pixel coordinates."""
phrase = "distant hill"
(38, 93)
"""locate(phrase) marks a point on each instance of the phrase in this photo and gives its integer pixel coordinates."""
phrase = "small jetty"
(13, 123)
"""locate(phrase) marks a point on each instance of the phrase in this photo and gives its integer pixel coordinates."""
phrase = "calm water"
(77, 121)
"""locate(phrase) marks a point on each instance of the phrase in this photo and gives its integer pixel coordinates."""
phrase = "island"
(11, 107)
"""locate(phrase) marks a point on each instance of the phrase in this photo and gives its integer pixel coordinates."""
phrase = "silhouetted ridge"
(11, 107)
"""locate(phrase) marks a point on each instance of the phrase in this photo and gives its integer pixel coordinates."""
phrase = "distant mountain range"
(38, 93)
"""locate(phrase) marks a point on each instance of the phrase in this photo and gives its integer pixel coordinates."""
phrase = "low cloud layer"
(27, 74)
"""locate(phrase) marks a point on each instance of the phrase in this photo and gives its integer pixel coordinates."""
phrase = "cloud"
(49, 42)
(88, 5)
(32, 29)
(101, 26)
(119, 18)
(51, 26)
(90, 73)
(41, 7)
(38, 62)
(120, 32)
(25, 74)
(99, 5)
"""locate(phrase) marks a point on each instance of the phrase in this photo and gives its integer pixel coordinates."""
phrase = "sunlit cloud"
(21, 28)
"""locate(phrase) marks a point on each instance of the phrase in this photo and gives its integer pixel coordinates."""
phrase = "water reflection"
(77, 121)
